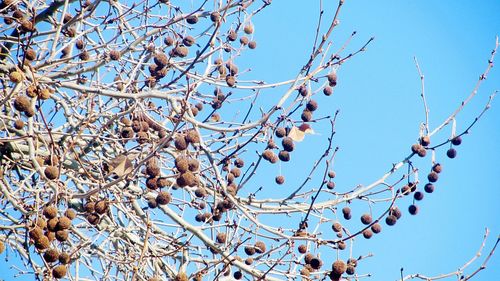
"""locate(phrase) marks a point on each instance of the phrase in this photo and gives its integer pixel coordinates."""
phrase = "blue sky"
(380, 112)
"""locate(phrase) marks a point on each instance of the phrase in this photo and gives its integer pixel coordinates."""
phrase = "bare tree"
(131, 144)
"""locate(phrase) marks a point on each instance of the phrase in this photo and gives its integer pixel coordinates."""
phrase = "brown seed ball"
(249, 250)
(101, 206)
(339, 267)
(312, 105)
(391, 220)
(42, 243)
(239, 163)
(425, 140)
(93, 219)
(421, 152)
(59, 271)
(260, 247)
(330, 185)
(70, 214)
(429, 188)
(30, 112)
(44, 94)
(236, 172)
(51, 255)
(89, 207)
(161, 60)
(284, 156)
(180, 51)
(366, 219)
(186, 179)
(50, 211)
(327, 91)
(332, 79)
(52, 224)
(192, 137)
(433, 177)
(337, 227)
(180, 143)
(30, 54)
(152, 183)
(280, 180)
(268, 154)
(396, 212)
(308, 257)
(346, 211)
(221, 237)
(302, 249)
(62, 235)
(192, 19)
(316, 263)
(84, 55)
(306, 116)
(230, 81)
(287, 144)
(232, 35)
(367, 233)
(376, 228)
(63, 223)
(352, 262)
(188, 41)
(280, 132)
(153, 170)
(163, 198)
(51, 235)
(15, 77)
(169, 41)
(413, 209)
(451, 153)
(244, 40)
(248, 29)
(415, 148)
(182, 164)
(331, 174)
(36, 233)
(79, 44)
(456, 140)
(419, 195)
(252, 45)
(127, 132)
(341, 245)
(114, 55)
(64, 258)
(51, 172)
(22, 103)
(437, 168)
(303, 90)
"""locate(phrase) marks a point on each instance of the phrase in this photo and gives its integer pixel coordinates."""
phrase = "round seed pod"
(152, 203)
(429, 188)
(249, 250)
(230, 80)
(192, 19)
(350, 270)
(396, 212)
(232, 35)
(180, 143)
(186, 179)
(36, 233)
(101, 206)
(62, 235)
(152, 183)
(161, 60)
(169, 41)
(419, 195)
(332, 79)
(268, 154)
(367, 233)
(341, 245)
(180, 51)
(50, 212)
(79, 44)
(42, 243)
(451, 153)
(432, 177)
(287, 144)
(200, 192)
(306, 116)
(391, 220)
(346, 211)
(51, 172)
(239, 163)
(64, 258)
(127, 132)
(162, 182)
(114, 55)
(327, 91)
(163, 198)
(188, 41)
(244, 40)
(366, 219)
(308, 257)
(280, 132)
(236, 172)
(252, 45)
(89, 207)
(44, 94)
(352, 262)
(337, 227)
(22, 103)
(260, 247)
(30, 54)
(302, 249)
(376, 228)
(84, 56)
(220, 237)
(70, 214)
(192, 137)
(248, 29)
(339, 267)
(182, 164)
(330, 185)
(93, 219)
(16, 77)
(413, 209)
(316, 263)
(456, 140)
(153, 170)
(59, 271)
(51, 255)
(63, 223)
(284, 156)
(312, 105)
(422, 152)
(280, 180)
(437, 168)
(50, 235)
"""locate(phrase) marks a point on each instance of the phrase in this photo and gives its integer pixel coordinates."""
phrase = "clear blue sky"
(378, 96)
(380, 113)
